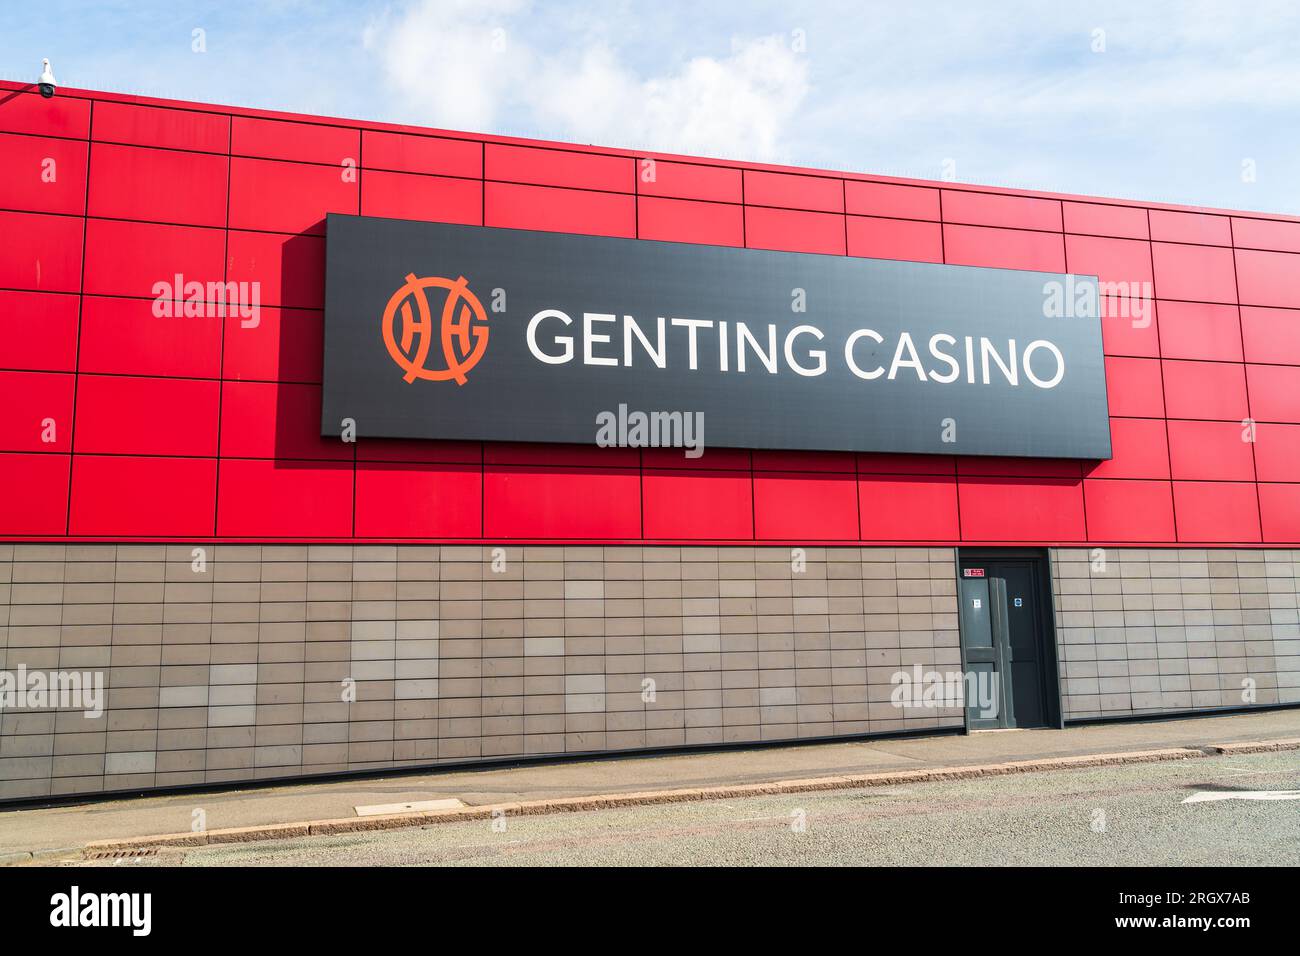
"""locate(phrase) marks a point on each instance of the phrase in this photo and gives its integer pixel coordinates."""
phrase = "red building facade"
(172, 520)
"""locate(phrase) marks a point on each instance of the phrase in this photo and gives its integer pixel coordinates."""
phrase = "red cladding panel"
(40, 253)
(419, 451)
(282, 345)
(289, 270)
(41, 174)
(288, 197)
(1094, 219)
(698, 504)
(1274, 392)
(269, 499)
(130, 258)
(1004, 248)
(404, 153)
(688, 181)
(124, 336)
(120, 414)
(883, 464)
(561, 503)
(544, 454)
(39, 331)
(298, 142)
(1128, 309)
(157, 185)
(419, 501)
(1129, 510)
(713, 459)
(1269, 278)
(991, 209)
(1205, 390)
(1191, 227)
(681, 220)
(1130, 326)
(167, 497)
(1266, 234)
(427, 198)
(999, 467)
(1277, 452)
(1124, 268)
(1021, 509)
(557, 167)
(1133, 388)
(32, 113)
(261, 420)
(154, 126)
(811, 507)
(895, 239)
(1194, 273)
(1111, 260)
(841, 462)
(34, 492)
(1210, 451)
(1271, 335)
(1279, 507)
(34, 403)
(912, 508)
(1213, 511)
(1139, 449)
(792, 231)
(560, 210)
(1197, 330)
(791, 191)
(896, 202)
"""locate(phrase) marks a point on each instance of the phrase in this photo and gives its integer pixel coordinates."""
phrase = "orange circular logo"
(462, 330)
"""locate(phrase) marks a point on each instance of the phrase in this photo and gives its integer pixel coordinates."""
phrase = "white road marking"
(379, 809)
(1242, 771)
(1204, 796)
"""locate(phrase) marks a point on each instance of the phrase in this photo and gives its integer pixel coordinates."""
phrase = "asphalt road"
(1127, 815)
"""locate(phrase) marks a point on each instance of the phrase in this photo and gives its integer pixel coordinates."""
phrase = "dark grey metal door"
(1008, 649)
(984, 650)
(1023, 645)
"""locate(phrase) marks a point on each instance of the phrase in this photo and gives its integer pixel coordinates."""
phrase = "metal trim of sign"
(440, 331)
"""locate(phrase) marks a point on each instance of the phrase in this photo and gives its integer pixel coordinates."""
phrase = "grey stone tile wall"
(1148, 631)
(276, 661)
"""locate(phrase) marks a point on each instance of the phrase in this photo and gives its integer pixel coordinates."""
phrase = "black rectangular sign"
(465, 332)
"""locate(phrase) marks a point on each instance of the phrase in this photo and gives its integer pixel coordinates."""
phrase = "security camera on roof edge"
(46, 81)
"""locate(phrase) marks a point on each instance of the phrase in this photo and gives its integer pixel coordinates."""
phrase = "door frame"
(1049, 666)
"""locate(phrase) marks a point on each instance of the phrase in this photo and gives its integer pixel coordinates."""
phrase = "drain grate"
(130, 853)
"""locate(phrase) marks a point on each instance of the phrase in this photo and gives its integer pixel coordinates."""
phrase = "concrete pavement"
(57, 831)
(1126, 815)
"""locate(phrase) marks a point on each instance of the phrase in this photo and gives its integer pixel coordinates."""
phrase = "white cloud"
(452, 61)
(740, 105)
(466, 66)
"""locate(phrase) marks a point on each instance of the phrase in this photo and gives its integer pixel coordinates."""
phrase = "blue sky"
(1159, 100)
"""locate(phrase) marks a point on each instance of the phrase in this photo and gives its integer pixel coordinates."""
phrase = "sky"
(1184, 102)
